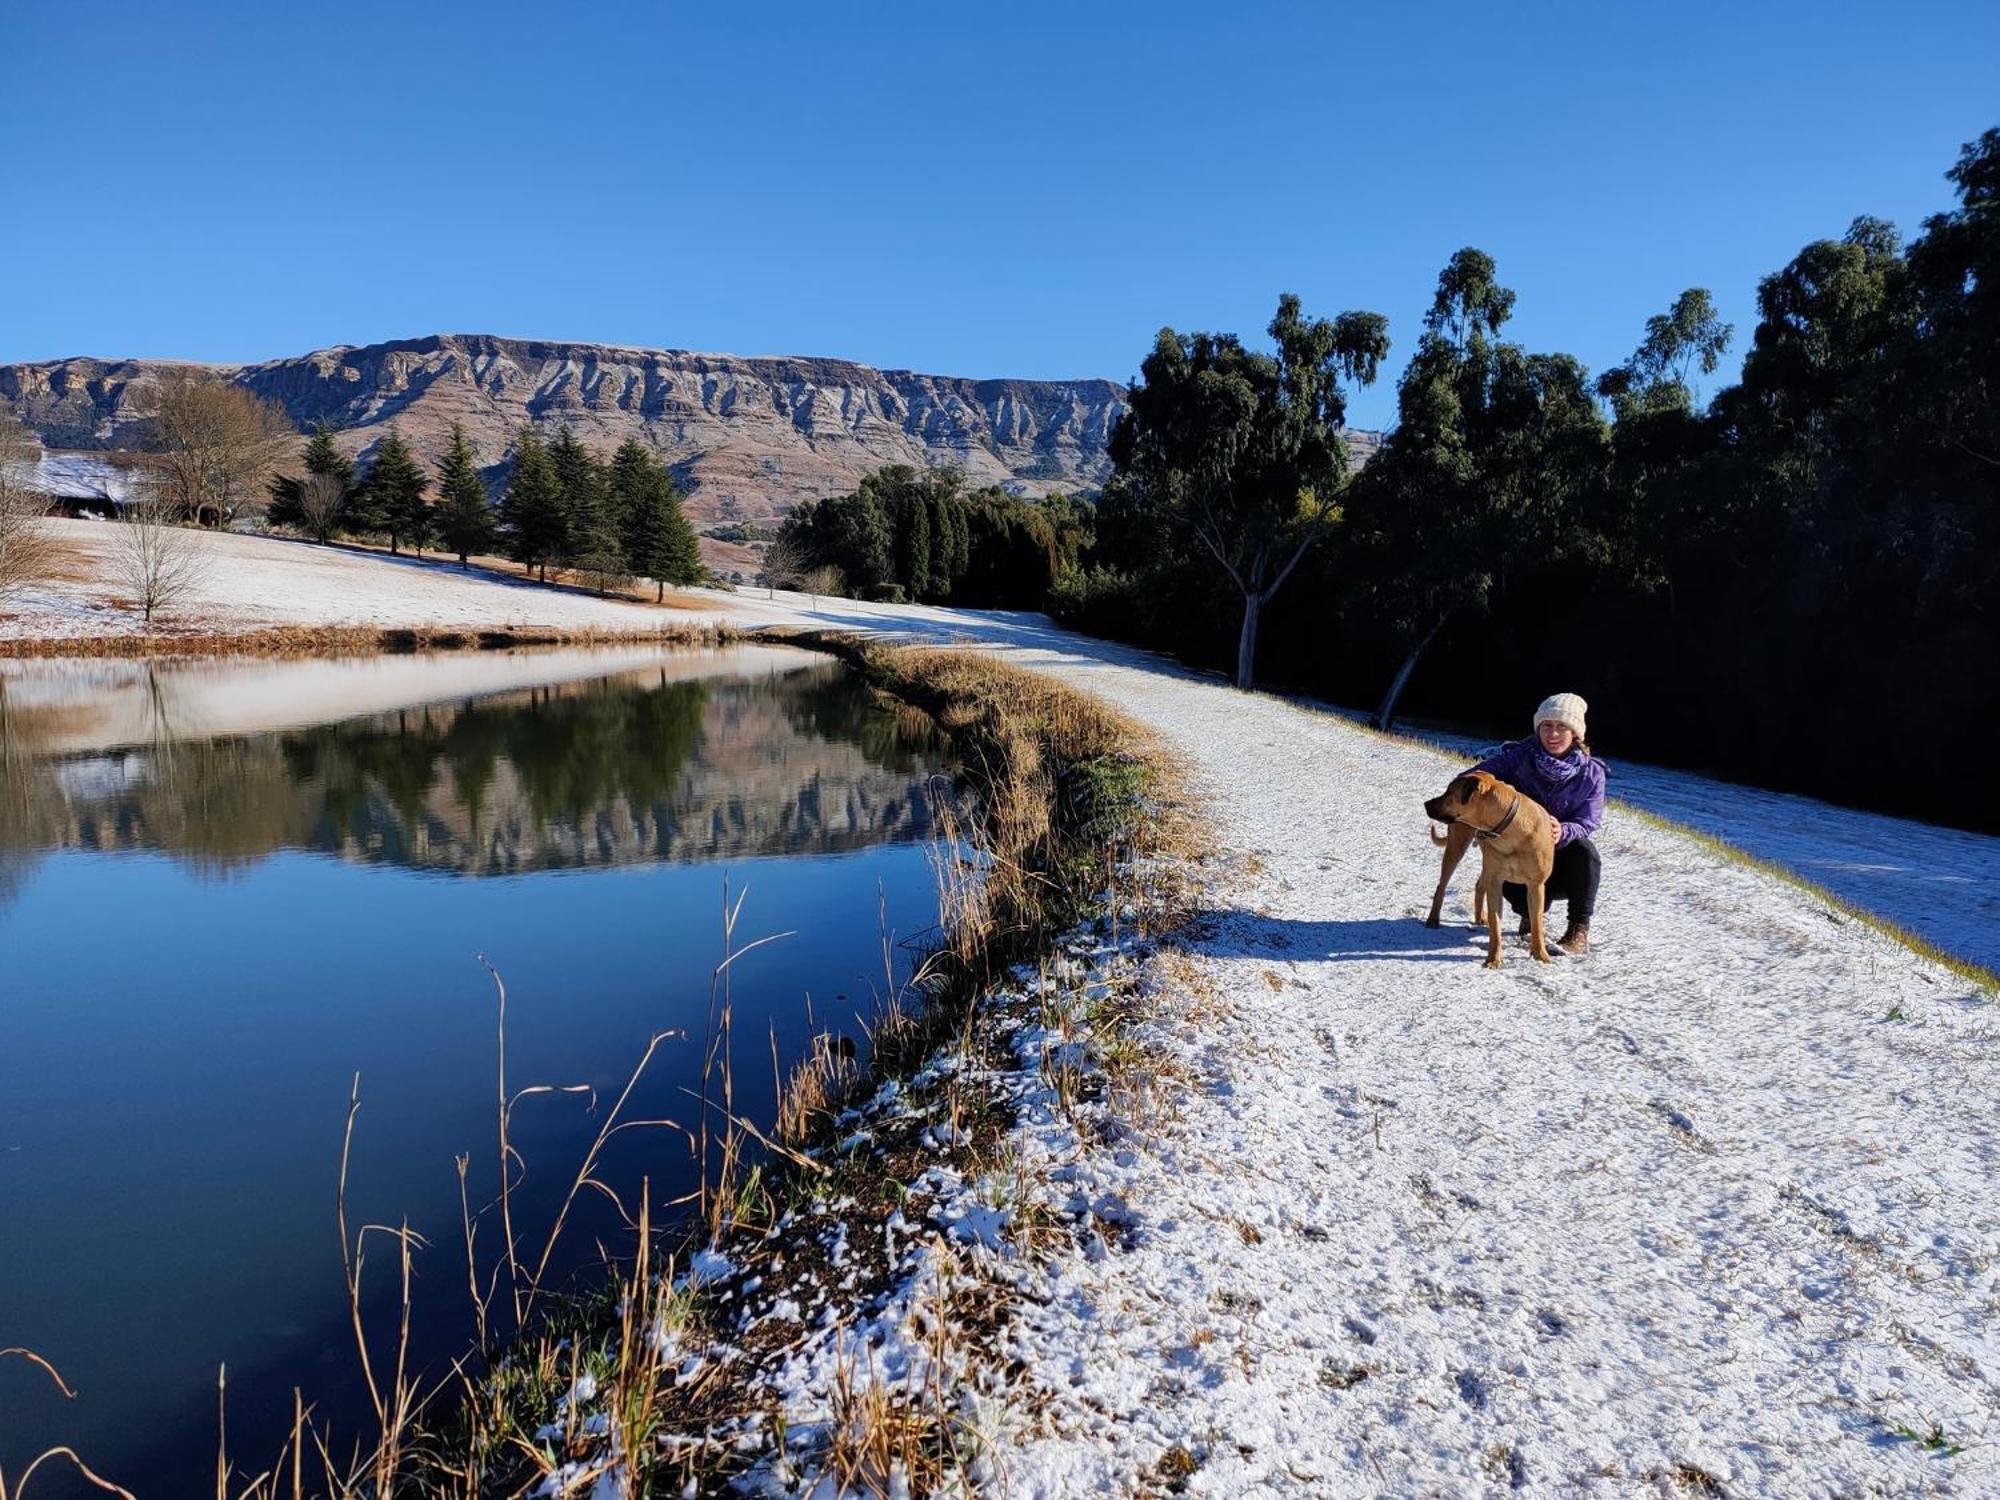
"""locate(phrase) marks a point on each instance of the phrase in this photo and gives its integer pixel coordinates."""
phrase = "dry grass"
(354, 640)
(56, 1455)
(563, 580)
(65, 562)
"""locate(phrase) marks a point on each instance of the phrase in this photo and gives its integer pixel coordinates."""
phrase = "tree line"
(1793, 582)
(563, 506)
(920, 536)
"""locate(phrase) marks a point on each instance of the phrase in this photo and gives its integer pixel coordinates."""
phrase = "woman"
(1555, 768)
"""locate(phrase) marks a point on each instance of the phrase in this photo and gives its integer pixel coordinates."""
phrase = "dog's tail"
(1436, 838)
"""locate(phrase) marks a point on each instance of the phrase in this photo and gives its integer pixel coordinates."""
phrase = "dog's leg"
(1492, 900)
(1455, 842)
(1536, 944)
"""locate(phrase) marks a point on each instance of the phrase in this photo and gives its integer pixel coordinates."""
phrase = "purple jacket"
(1577, 802)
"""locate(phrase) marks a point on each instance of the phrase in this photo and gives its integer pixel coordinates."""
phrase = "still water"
(227, 888)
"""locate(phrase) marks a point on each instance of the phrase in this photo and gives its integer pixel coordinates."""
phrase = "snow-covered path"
(1940, 883)
(1719, 1204)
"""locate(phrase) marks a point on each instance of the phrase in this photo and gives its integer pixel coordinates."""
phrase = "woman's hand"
(1555, 829)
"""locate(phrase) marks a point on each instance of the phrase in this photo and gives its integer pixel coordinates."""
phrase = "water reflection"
(176, 1049)
(647, 765)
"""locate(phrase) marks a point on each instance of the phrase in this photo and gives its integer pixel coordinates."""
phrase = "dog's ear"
(1465, 787)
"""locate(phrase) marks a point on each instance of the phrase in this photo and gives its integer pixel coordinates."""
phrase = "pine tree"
(395, 488)
(657, 539)
(683, 552)
(288, 491)
(531, 511)
(585, 498)
(464, 518)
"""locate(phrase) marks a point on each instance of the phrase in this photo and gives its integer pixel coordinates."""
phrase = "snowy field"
(258, 582)
(1715, 1210)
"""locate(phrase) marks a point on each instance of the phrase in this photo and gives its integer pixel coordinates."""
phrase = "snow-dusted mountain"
(748, 436)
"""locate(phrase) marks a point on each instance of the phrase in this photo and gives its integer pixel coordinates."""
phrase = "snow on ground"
(1718, 1205)
(1716, 1209)
(254, 582)
(1940, 883)
(1719, 1200)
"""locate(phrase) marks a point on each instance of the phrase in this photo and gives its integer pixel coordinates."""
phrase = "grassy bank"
(672, 1373)
(354, 640)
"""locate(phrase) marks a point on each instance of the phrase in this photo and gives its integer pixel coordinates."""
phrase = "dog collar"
(1503, 825)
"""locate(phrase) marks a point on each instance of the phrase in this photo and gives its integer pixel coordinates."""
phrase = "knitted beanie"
(1564, 708)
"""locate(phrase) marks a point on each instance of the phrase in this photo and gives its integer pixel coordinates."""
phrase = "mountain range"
(748, 437)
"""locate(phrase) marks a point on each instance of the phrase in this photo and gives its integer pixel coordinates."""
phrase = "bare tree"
(213, 445)
(322, 504)
(156, 560)
(785, 563)
(824, 579)
(26, 549)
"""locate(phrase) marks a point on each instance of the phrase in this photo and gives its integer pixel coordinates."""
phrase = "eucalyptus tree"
(1688, 337)
(1495, 460)
(1241, 450)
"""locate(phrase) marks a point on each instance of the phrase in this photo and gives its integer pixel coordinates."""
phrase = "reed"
(62, 1453)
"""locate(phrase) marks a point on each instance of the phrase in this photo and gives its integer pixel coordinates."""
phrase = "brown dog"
(1515, 845)
(1456, 840)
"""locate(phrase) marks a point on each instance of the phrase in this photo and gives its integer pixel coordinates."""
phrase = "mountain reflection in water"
(228, 889)
(644, 766)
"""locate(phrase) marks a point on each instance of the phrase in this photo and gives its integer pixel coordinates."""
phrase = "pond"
(227, 888)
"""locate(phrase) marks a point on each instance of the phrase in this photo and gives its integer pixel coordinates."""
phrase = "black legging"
(1574, 879)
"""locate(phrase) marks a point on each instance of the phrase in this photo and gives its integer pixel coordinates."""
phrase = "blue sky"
(1028, 190)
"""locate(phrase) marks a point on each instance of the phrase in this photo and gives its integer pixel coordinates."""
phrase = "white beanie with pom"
(1566, 709)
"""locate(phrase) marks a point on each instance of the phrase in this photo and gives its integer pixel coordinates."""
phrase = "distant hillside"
(748, 437)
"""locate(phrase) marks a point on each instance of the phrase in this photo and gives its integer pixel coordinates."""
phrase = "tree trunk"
(1385, 716)
(1246, 644)
(661, 596)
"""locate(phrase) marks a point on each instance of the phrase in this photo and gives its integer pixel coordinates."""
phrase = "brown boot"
(1575, 940)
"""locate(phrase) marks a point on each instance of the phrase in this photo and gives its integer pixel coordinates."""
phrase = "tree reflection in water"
(638, 767)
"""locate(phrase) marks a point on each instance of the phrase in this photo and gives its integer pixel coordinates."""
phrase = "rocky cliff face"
(749, 437)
